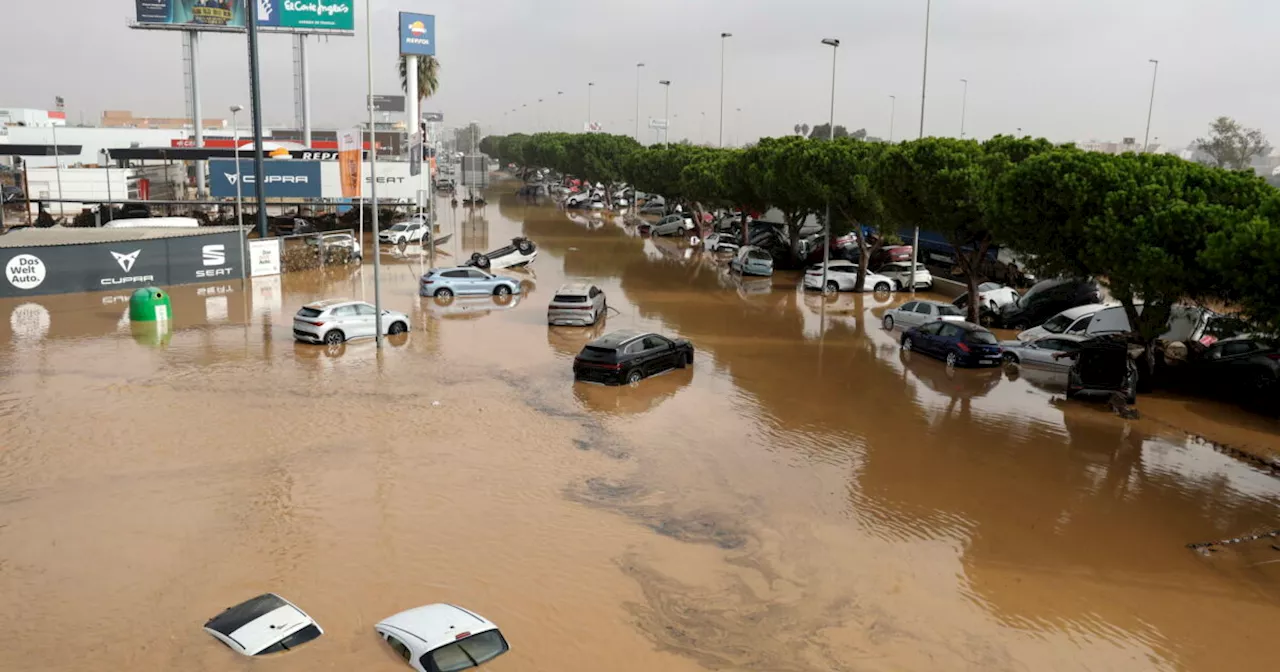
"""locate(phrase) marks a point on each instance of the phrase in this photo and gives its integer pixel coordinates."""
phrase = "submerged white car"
(442, 638)
(339, 320)
(900, 273)
(265, 624)
(842, 276)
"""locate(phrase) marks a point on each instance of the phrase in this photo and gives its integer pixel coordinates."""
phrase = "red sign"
(229, 143)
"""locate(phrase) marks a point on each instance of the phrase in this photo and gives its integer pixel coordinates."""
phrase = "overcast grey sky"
(1063, 69)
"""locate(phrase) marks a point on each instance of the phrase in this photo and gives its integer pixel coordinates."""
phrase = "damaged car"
(442, 638)
(265, 624)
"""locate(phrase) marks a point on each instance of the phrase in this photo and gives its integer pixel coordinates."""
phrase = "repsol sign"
(118, 266)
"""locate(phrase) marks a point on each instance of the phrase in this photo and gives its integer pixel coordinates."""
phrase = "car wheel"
(688, 357)
(907, 344)
(397, 328)
(833, 286)
(881, 287)
(1010, 358)
(952, 359)
(335, 337)
(987, 318)
(634, 377)
(502, 291)
(888, 323)
(444, 293)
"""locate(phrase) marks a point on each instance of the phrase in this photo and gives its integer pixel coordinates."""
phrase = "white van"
(1186, 323)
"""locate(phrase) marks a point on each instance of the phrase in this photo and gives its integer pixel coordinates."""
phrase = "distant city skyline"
(1075, 71)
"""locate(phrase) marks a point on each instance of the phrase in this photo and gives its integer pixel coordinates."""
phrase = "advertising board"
(349, 162)
(383, 103)
(264, 257)
(295, 16)
(125, 265)
(417, 34)
(284, 178)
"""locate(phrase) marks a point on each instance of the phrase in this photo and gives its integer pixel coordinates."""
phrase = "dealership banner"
(417, 34)
(349, 161)
(284, 178)
(264, 257)
(125, 265)
(288, 15)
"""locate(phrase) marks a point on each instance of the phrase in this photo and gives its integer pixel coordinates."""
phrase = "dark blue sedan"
(958, 343)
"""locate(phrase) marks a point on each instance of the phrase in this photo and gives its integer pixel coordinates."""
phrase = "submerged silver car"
(751, 260)
(576, 304)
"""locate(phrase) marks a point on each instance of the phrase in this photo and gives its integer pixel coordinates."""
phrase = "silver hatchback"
(577, 305)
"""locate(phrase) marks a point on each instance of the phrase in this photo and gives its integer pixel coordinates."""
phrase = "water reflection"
(632, 399)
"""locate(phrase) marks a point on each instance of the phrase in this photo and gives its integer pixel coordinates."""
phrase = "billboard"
(417, 34)
(284, 178)
(123, 265)
(383, 103)
(349, 162)
(297, 16)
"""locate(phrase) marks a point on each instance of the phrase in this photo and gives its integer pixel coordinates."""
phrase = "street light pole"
(893, 111)
(235, 140)
(666, 113)
(924, 85)
(1152, 105)
(831, 136)
(590, 85)
(723, 37)
(638, 66)
(964, 105)
(559, 105)
(373, 179)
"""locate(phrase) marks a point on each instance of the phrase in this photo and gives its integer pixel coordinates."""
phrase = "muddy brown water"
(805, 497)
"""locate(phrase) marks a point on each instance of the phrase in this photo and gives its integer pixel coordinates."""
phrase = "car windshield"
(950, 311)
(309, 312)
(470, 652)
(1057, 324)
(988, 286)
(981, 338)
(399, 227)
(759, 254)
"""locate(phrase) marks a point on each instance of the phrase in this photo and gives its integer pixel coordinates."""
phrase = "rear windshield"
(981, 338)
(309, 312)
(296, 639)
(950, 311)
(597, 352)
(569, 298)
(470, 652)
(760, 255)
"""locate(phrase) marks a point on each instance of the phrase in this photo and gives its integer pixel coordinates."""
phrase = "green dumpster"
(149, 304)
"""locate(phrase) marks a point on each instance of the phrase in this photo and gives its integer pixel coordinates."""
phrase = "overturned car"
(521, 252)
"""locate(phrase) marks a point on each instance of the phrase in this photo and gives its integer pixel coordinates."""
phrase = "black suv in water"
(1046, 299)
(630, 356)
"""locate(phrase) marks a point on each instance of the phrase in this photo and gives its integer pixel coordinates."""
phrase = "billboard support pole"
(302, 86)
(255, 95)
(373, 179)
(197, 120)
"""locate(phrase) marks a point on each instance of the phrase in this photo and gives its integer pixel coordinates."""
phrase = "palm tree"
(797, 129)
(428, 76)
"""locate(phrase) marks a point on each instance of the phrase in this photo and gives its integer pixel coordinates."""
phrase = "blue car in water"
(957, 343)
(445, 283)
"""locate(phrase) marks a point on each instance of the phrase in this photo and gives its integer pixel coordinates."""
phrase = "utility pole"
(255, 96)
(1146, 141)
(723, 37)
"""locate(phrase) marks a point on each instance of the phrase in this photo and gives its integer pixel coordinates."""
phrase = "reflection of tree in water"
(1061, 526)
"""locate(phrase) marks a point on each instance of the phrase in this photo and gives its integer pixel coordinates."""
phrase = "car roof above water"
(324, 304)
(438, 624)
(617, 338)
(575, 288)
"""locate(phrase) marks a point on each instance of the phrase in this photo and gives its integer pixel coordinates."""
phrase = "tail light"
(1274, 356)
(314, 324)
(962, 346)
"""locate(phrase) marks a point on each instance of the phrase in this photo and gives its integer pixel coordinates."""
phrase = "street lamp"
(964, 104)
(666, 111)
(558, 104)
(1156, 71)
(831, 136)
(924, 86)
(723, 37)
(638, 66)
(893, 111)
(590, 85)
(235, 140)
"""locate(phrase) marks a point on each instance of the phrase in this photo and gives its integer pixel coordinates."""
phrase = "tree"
(797, 129)
(822, 132)
(947, 185)
(428, 76)
(804, 130)
(846, 169)
(779, 172)
(1230, 145)
(1245, 254)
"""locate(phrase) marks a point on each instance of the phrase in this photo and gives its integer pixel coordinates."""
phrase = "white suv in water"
(337, 321)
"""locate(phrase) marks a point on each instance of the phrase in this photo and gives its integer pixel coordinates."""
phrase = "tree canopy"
(1231, 145)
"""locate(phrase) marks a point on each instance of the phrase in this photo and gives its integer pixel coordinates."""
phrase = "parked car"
(338, 248)
(265, 624)
(992, 296)
(1102, 366)
(445, 283)
(521, 252)
(842, 276)
(915, 313)
(1242, 367)
(403, 233)
(1046, 299)
(670, 225)
(292, 226)
(751, 260)
(656, 205)
(1072, 321)
(1040, 352)
(959, 343)
(900, 273)
(1186, 323)
(337, 321)
(442, 638)
(577, 304)
(630, 356)
(890, 254)
(1008, 267)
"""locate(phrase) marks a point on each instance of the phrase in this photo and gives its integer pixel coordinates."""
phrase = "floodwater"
(805, 497)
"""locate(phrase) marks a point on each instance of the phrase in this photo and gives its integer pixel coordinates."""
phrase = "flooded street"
(805, 497)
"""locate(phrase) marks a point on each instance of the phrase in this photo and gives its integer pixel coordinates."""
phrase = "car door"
(633, 356)
(660, 352)
(926, 312)
(479, 282)
(346, 320)
(906, 314)
(947, 336)
(1040, 354)
(927, 341)
(1225, 363)
(365, 321)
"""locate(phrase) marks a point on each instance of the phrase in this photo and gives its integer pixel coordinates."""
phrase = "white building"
(91, 140)
(1127, 145)
(11, 116)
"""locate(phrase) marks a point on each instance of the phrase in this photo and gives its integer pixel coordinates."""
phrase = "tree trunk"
(970, 265)
(793, 234)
